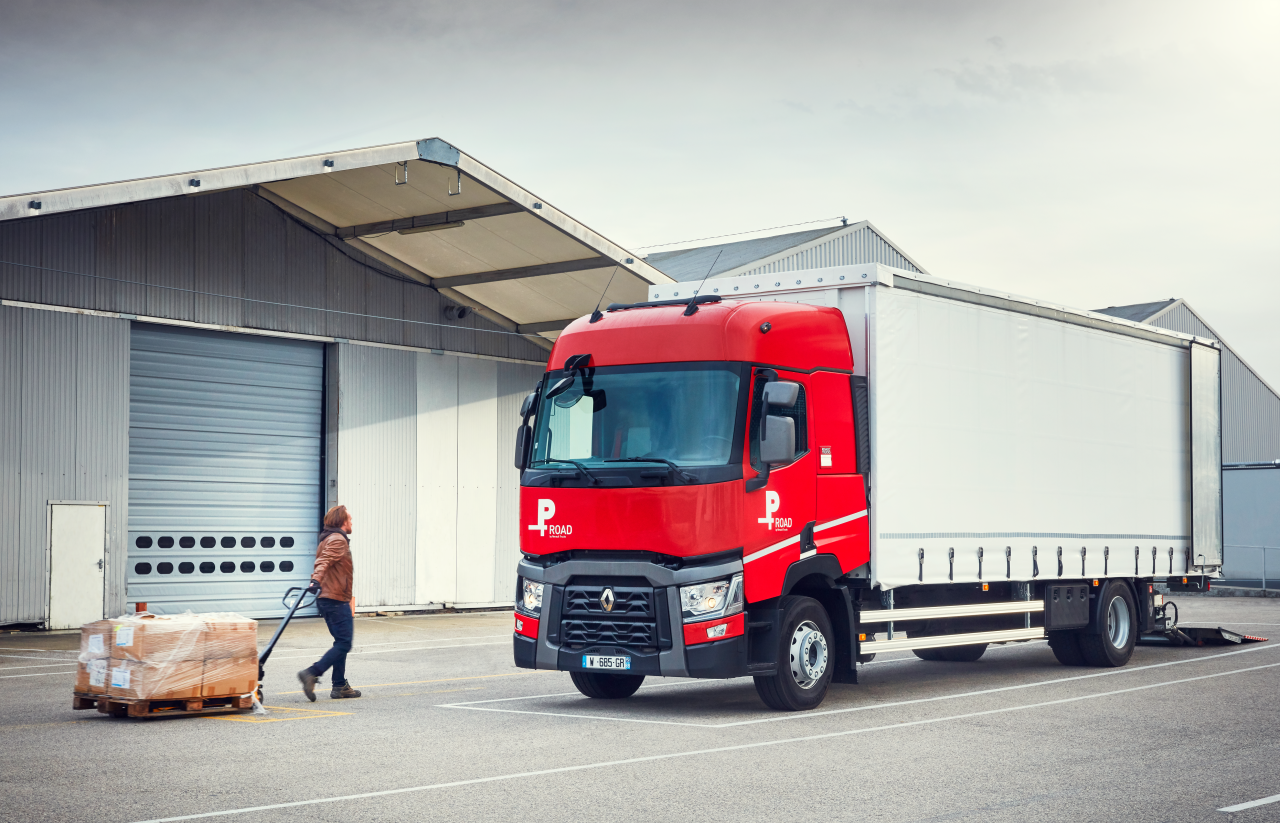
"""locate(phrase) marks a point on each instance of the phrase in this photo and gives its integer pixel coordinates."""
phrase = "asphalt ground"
(450, 730)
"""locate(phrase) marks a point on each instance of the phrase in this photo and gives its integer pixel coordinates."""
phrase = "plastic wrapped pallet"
(95, 657)
(169, 657)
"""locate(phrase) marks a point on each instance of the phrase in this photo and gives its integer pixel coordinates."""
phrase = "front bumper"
(672, 658)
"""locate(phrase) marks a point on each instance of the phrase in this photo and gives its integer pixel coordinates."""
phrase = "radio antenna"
(693, 307)
(596, 315)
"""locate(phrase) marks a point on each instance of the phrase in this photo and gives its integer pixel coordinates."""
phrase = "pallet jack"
(292, 602)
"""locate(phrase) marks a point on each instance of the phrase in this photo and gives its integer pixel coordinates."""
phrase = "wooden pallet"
(130, 707)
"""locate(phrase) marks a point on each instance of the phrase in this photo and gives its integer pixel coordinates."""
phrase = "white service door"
(77, 561)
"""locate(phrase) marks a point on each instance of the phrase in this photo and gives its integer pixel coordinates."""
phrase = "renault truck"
(782, 475)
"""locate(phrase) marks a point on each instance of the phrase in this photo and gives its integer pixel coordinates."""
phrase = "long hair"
(336, 517)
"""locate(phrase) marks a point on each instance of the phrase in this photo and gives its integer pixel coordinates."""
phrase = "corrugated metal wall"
(840, 249)
(64, 388)
(1250, 410)
(377, 475)
(425, 460)
(236, 245)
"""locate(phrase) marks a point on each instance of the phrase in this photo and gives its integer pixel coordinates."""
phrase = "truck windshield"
(684, 414)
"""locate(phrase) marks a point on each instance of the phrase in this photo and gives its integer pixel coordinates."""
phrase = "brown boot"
(342, 691)
(308, 680)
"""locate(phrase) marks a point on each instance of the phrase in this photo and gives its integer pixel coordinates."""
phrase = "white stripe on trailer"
(935, 612)
(768, 550)
(941, 640)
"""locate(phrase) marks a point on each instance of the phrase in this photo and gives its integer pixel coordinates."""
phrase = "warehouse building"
(1250, 450)
(192, 367)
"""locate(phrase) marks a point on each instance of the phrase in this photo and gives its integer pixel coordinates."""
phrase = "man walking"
(333, 572)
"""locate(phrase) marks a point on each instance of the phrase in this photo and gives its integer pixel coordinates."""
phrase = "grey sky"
(1089, 153)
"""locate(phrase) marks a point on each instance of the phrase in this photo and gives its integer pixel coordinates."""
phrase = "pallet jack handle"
(293, 603)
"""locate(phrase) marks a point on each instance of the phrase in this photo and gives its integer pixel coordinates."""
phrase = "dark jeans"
(341, 623)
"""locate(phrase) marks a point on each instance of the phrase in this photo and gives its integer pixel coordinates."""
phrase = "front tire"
(606, 686)
(1117, 631)
(806, 658)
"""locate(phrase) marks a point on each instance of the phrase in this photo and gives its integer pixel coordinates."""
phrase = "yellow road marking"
(441, 680)
(307, 714)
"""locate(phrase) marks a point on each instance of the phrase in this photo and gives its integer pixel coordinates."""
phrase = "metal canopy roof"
(430, 212)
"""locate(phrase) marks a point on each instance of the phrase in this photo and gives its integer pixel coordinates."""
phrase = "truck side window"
(796, 412)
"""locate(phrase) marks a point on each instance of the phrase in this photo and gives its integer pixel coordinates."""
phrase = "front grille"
(608, 632)
(628, 601)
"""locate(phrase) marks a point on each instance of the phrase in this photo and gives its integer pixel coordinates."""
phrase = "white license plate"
(591, 661)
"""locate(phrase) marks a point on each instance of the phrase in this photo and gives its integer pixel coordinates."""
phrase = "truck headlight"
(716, 598)
(530, 597)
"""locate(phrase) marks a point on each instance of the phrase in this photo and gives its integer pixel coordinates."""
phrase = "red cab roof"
(800, 337)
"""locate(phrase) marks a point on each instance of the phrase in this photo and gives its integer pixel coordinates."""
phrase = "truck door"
(841, 491)
(777, 514)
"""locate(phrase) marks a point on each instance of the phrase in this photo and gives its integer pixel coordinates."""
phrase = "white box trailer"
(1014, 439)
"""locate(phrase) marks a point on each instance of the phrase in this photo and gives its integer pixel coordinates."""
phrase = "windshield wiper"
(671, 467)
(595, 481)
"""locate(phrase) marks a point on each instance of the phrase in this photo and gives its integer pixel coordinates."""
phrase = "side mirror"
(781, 393)
(778, 443)
(530, 400)
(524, 439)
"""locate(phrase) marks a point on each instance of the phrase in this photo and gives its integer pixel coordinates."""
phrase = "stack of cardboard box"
(169, 657)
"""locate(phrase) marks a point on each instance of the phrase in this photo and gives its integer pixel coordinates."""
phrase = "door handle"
(100, 564)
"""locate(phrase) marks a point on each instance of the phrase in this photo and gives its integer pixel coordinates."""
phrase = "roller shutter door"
(224, 469)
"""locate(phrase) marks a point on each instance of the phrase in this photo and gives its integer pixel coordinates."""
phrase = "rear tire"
(806, 657)
(952, 654)
(1117, 630)
(606, 686)
(1066, 647)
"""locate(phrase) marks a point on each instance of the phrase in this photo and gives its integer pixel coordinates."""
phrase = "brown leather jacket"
(333, 570)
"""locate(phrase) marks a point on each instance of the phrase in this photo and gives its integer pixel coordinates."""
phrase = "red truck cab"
(692, 500)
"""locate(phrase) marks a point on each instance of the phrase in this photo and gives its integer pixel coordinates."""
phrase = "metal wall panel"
(862, 246)
(1251, 515)
(232, 244)
(377, 480)
(63, 424)
(437, 433)
(514, 382)
(224, 468)
(477, 479)
(218, 257)
(10, 460)
(1250, 409)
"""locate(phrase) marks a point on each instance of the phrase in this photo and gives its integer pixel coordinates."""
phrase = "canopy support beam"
(539, 270)
(425, 220)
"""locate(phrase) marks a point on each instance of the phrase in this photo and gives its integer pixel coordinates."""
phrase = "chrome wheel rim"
(808, 655)
(1118, 622)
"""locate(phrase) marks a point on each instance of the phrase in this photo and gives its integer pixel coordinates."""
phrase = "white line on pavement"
(475, 705)
(702, 752)
(41, 674)
(1239, 807)
(389, 651)
(28, 657)
(396, 643)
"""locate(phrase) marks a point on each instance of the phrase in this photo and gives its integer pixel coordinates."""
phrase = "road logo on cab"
(772, 502)
(546, 511)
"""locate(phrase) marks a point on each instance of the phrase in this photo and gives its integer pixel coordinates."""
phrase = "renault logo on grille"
(606, 599)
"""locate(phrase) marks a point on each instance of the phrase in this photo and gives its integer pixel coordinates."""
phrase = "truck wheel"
(952, 654)
(806, 657)
(1117, 632)
(1066, 647)
(606, 686)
